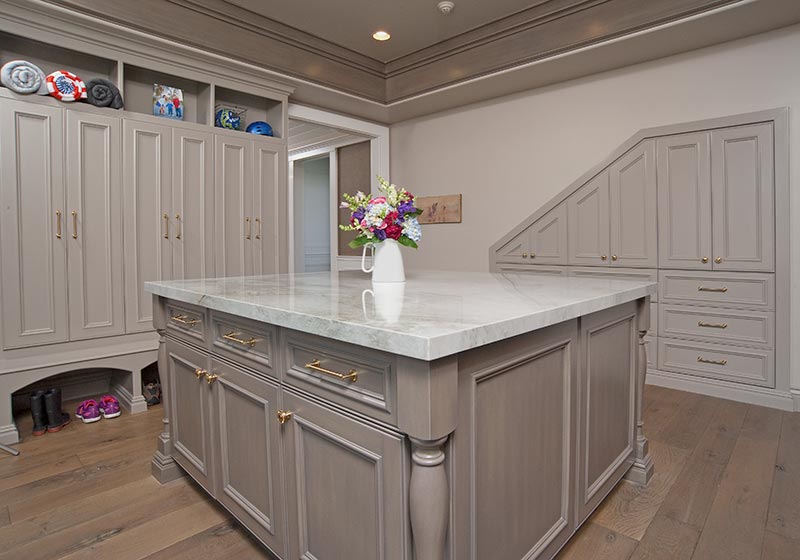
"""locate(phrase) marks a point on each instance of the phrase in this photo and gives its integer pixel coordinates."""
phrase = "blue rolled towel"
(22, 76)
(102, 93)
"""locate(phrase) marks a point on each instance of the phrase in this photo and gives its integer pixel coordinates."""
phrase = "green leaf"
(359, 241)
(407, 241)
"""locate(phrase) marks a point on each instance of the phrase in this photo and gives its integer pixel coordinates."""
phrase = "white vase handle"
(364, 258)
(364, 301)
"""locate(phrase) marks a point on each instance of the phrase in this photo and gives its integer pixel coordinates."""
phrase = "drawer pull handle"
(702, 360)
(58, 224)
(184, 320)
(74, 224)
(351, 376)
(200, 372)
(234, 337)
(258, 228)
(178, 226)
(284, 416)
(712, 325)
(722, 290)
(166, 225)
(210, 378)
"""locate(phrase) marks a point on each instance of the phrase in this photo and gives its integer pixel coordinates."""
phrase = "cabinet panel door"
(516, 250)
(33, 251)
(548, 237)
(147, 189)
(589, 222)
(684, 201)
(233, 169)
(190, 413)
(346, 484)
(193, 204)
(269, 181)
(633, 208)
(94, 249)
(743, 194)
(248, 441)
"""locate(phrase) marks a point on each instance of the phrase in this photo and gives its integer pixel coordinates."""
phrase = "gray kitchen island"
(459, 415)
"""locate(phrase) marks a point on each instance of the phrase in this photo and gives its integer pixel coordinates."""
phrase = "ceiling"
(413, 24)
(305, 137)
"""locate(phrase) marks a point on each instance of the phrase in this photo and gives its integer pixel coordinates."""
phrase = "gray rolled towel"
(103, 93)
(22, 76)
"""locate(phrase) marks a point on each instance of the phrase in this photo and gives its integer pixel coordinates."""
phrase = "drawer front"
(532, 269)
(742, 290)
(359, 378)
(741, 365)
(187, 322)
(246, 342)
(642, 274)
(752, 328)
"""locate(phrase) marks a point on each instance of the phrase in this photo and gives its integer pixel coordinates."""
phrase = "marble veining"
(433, 315)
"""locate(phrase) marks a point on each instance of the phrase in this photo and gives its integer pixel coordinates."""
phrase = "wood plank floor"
(727, 486)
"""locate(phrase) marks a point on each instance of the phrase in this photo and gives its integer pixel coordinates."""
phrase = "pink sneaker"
(109, 407)
(88, 411)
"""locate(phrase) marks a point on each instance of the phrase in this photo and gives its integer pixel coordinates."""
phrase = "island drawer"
(749, 328)
(245, 342)
(738, 290)
(639, 274)
(720, 361)
(186, 322)
(359, 378)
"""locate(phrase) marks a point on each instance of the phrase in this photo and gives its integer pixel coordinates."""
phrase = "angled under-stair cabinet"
(702, 208)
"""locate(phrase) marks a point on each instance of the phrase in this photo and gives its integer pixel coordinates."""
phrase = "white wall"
(316, 214)
(510, 155)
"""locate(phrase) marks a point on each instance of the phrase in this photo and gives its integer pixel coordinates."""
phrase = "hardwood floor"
(727, 486)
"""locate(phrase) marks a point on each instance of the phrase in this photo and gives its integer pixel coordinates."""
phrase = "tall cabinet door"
(193, 204)
(269, 176)
(634, 217)
(684, 201)
(147, 188)
(588, 223)
(743, 197)
(94, 204)
(233, 168)
(32, 225)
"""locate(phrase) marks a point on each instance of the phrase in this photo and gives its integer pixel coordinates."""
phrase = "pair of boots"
(46, 412)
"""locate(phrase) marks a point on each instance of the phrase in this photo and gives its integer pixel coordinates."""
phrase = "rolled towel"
(103, 93)
(66, 86)
(23, 77)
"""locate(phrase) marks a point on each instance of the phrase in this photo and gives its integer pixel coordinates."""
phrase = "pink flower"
(379, 200)
(364, 223)
(394, 231)
(391, 217)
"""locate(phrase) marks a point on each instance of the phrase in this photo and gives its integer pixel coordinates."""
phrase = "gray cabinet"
(33, 225)
(516, 249)
(548, 238)
(233, 167)
(588, 223)
(269, 173)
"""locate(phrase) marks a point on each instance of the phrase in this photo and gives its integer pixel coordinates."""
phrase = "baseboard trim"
(761, 396)
(9, 434)
(796, 398)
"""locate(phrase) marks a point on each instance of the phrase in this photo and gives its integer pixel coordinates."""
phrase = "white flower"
(412, 229)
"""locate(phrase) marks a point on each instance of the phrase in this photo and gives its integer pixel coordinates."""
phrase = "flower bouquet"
(390, 216)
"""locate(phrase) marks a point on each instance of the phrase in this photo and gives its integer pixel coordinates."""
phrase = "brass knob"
(283, 416)
(704, 259)
(533, 255)
(613, 257)
(524, 255)
(718, 260)
(603, 257)
(210, 378)
(200, 372)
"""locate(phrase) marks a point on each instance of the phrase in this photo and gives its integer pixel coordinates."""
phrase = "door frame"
(378, 135)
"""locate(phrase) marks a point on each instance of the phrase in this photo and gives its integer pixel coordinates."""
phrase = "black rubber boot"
(39, 413)
(56, 419)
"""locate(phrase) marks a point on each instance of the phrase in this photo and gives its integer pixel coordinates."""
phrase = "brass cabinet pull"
(533, 255)
(702, 360)
(184, 320)
(74, 224)
(603, 257)
(58, 224)
(524, 255)
(712, 325)
(210, 378)
(718, 260)
(722, 290)
(283, 416)
(614, 257)
(258, 229)
(234, 337)
(178, 226)
(352, 375)
(166, 225)
(199, 372)
(247, 223)
(704, 260)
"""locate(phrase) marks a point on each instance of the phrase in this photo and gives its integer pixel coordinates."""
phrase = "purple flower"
(380, 234)
(406, 207)
(358, 214)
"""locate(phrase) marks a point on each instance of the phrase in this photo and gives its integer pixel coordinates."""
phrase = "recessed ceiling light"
(381, 36)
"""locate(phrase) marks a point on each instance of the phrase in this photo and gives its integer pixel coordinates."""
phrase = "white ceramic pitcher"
(387, 262)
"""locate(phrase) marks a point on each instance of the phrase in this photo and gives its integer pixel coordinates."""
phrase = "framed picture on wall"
(441, 209)
(168, 102)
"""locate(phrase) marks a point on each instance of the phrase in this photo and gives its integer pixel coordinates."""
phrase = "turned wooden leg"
(429, 499)
(642, 470)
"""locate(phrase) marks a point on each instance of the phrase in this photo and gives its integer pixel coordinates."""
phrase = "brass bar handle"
(258, 228)
(712, 325)
(74, 224)
(234, 337)
(210, 378)
(178, 221)
(284, 416)
(199, 372)
(352, 375)
(184, 320)
(247, 223)
(58, 224)
(702, 360)
(166, 225)
(722, 290)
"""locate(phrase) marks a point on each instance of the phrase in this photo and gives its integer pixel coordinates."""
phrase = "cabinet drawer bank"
(306, 414)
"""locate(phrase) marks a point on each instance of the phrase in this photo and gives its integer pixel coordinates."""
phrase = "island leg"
(163, 467)
(642, 470)
(429, 499)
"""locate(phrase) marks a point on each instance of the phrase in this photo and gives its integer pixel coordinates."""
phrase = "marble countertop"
(434, 314)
